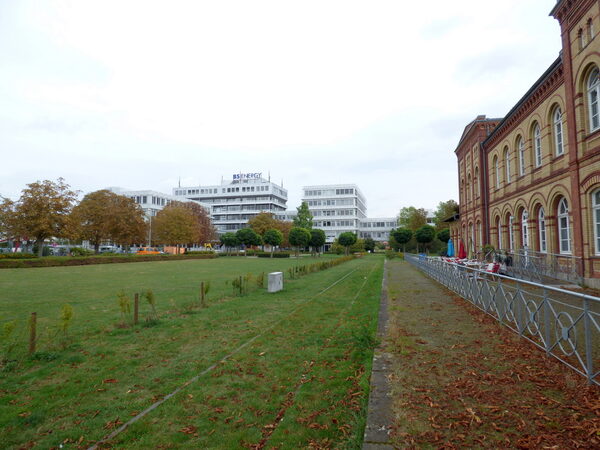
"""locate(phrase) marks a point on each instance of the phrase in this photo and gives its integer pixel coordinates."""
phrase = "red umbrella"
(462, 254)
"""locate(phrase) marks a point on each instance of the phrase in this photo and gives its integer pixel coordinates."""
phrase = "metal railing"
(563, 323)
(536, 266)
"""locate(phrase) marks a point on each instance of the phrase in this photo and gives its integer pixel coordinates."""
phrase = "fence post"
(136, 308)
(202, 294)
(589, 369)
(241, 285)
(32, 330)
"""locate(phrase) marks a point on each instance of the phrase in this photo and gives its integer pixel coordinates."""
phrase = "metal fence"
(563, 323)
(536, 266)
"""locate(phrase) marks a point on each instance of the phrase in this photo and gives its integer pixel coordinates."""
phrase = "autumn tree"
(285, 228)
(412, 218)
(299, 237)
(273, 238)
(103, 215)
(304, 218)
(443, 211)
(43, 211)
(317, 239)
(205, 231)
(7, 212)
(175, 225)
(262, 222)
(229, 240)
(347, 239)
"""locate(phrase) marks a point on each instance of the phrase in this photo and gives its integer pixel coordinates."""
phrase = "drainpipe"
(484, 184)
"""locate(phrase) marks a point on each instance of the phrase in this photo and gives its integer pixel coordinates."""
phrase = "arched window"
(469, 188)
(593, 87)
(476, 183)
(472, 229)
(590, 30)
(564, 234)
(525, 229)
(558, 132)
(537, 145)
(581, 39)
(596, 219)
(497, 172)
(479, 234)
(511, 234)
(507, 164)
(542, 230)
(521, 150)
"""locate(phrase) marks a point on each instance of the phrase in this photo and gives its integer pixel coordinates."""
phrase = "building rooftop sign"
(247, 176)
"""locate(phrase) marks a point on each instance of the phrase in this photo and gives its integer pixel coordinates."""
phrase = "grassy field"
(296, 371)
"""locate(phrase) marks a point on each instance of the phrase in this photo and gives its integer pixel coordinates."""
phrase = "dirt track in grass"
(459, 379)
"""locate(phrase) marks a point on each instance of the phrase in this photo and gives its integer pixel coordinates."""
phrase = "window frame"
(521, 151)
(562, 223)
(511, 233)
(558, 132)
(507, 164)
(596, 219)
(593, 89)
(537, 145)
(542, 231)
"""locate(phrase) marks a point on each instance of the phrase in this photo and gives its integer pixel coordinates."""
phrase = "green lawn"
(301, 381)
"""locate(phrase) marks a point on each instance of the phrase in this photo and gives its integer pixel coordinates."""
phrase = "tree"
(317, 239)
(443, 211)
(369, 244)
(412, 218)
(103, 215)
(444, 235)
(262, 222)
(205, 231)
(347, 239)
(299, 237)
(304, 219)
(7, 213)
(285, 228)
(248, 237)
(402, 236)
(273, 238)
(229, 240)
(175, 225)
(425, 234)
(43, 211)
(358, 246)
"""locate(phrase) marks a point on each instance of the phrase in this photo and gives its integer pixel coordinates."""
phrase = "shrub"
(17, 256)
(275, 254)
(124, 306)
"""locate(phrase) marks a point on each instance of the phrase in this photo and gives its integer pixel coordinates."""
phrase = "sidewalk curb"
(379, 416)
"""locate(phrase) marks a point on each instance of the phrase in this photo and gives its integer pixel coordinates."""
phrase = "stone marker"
(275, 281)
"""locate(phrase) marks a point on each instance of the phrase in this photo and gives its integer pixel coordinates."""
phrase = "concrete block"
(275, 282)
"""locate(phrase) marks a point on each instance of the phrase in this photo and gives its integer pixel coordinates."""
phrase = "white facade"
(233, 203)
(377, 229)
(150, 201)
(336, 208)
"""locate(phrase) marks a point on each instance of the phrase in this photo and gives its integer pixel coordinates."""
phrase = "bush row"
(17, 256)
(56, 261)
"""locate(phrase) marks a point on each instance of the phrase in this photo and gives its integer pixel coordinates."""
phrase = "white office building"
(150, 201)
(377, 229)
(234, 202)
(336, 208)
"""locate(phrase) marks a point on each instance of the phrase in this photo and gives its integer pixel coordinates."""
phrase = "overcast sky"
(377, 93)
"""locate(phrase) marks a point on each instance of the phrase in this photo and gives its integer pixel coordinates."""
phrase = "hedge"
(58, 261)
(275, 254)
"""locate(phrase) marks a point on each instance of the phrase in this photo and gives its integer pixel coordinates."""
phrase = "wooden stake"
(202, 294)
(32, 329)
(136, 308)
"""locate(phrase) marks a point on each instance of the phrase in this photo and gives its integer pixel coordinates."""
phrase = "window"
(537, 145)
(524, 229)
(558, 132)
(596, 219)
(507, 164)
(511, 234)
(590, 30)
(521, 147)
(593, 93)
(499, 228)
(476, 183)
(497, 172)
(581, 39)
(564, 235)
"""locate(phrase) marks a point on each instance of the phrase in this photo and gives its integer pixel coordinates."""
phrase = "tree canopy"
(425, 234)
(317, 238)
(229, 240)
(43, 211)
(175, 224)
(369, 244)
(402, 236)
(304, 218)
(299, 237)
(412, 218)
(248, 237)
(444, 235)
(273, 238)
(263, 222)
(103, 215)
(443, 211)
(347, 239)
(204, 229)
